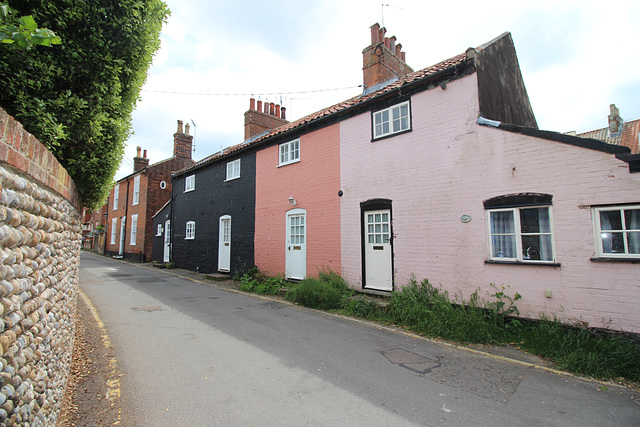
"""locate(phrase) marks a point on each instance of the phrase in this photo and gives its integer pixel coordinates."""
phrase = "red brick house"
(135, 198)
(618, 132)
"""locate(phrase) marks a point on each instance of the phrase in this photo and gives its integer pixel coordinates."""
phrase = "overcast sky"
(576, 57)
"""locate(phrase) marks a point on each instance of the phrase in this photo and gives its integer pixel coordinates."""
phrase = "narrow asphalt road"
(198, 354)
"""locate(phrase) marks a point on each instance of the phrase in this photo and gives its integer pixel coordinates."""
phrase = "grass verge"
(430, 311)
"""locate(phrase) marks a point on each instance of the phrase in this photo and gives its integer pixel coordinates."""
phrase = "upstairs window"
(116, 196)
(289, 152)
(233, 170)
(159, 230)
(391, 120)
(190, 183)
(190, 233)
(136, 190)
(617, 231)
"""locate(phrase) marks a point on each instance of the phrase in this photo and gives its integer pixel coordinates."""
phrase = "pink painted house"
(443, 174)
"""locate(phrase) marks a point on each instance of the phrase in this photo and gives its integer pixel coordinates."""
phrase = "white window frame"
(189, 183)
(190, 230)
(518, 234)
(114, 229)
(134, 229)
(625, 231)
(398, 124)
(159, 230)
(289, 152)
(116, 196)
(136, 190)
(233, 170)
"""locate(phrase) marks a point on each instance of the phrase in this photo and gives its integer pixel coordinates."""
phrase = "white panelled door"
(378, 253)
(167, 241)
(296, 248)
(224, 244)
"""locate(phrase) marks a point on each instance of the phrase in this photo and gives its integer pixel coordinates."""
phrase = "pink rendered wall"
(446, 167)
(314, 183)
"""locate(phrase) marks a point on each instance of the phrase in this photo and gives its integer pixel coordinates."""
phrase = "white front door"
(122, 224)
(296, 249)
(167, 241)
(378, 253)
(224, 244)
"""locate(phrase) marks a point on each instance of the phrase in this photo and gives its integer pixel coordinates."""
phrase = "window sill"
(537, 264)
(390, 135)
(231, 179)
(631, 260)
(289, 163)
(189, 191)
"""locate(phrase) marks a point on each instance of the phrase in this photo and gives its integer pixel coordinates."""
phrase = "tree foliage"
(77, 98)
(23, 31)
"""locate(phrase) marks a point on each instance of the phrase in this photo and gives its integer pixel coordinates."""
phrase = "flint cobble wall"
(40, 237)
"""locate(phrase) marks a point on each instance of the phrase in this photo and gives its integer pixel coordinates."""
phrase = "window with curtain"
(521, 234)
(617, 231)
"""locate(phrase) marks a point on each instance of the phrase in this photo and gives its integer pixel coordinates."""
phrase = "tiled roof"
(352, 102)
(356, 100)
(628, 137)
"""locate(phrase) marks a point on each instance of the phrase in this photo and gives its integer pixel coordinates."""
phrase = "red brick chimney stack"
(383, 60)
(262, 117)
(140, 162)
(182, 142)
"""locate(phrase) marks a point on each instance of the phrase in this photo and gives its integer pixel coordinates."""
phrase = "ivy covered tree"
(77, 97)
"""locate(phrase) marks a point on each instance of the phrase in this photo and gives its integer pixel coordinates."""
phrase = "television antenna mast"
(195, 130)
(388, 5)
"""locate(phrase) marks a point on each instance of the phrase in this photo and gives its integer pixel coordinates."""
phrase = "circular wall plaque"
(465, 218)
(163, 185)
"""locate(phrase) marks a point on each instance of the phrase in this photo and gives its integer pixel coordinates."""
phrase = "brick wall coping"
(24, 152)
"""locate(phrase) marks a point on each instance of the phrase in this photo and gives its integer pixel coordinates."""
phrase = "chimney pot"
(375, 33)
(283, 110)
(387, 42)
(392, 44)
(186, 128)
(252, 103)
(278, 110)
(138, 150)
(272, 108)
(399, 50)
(145, 154)
(381, 34)
(179, 126)
(259, 105)
(266, 107)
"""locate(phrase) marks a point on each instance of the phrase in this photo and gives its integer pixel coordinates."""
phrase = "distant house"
(135, 198)
(619, 132)
(440, 173)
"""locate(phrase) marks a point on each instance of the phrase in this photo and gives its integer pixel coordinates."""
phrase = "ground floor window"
(190, 233)
(617, 231)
